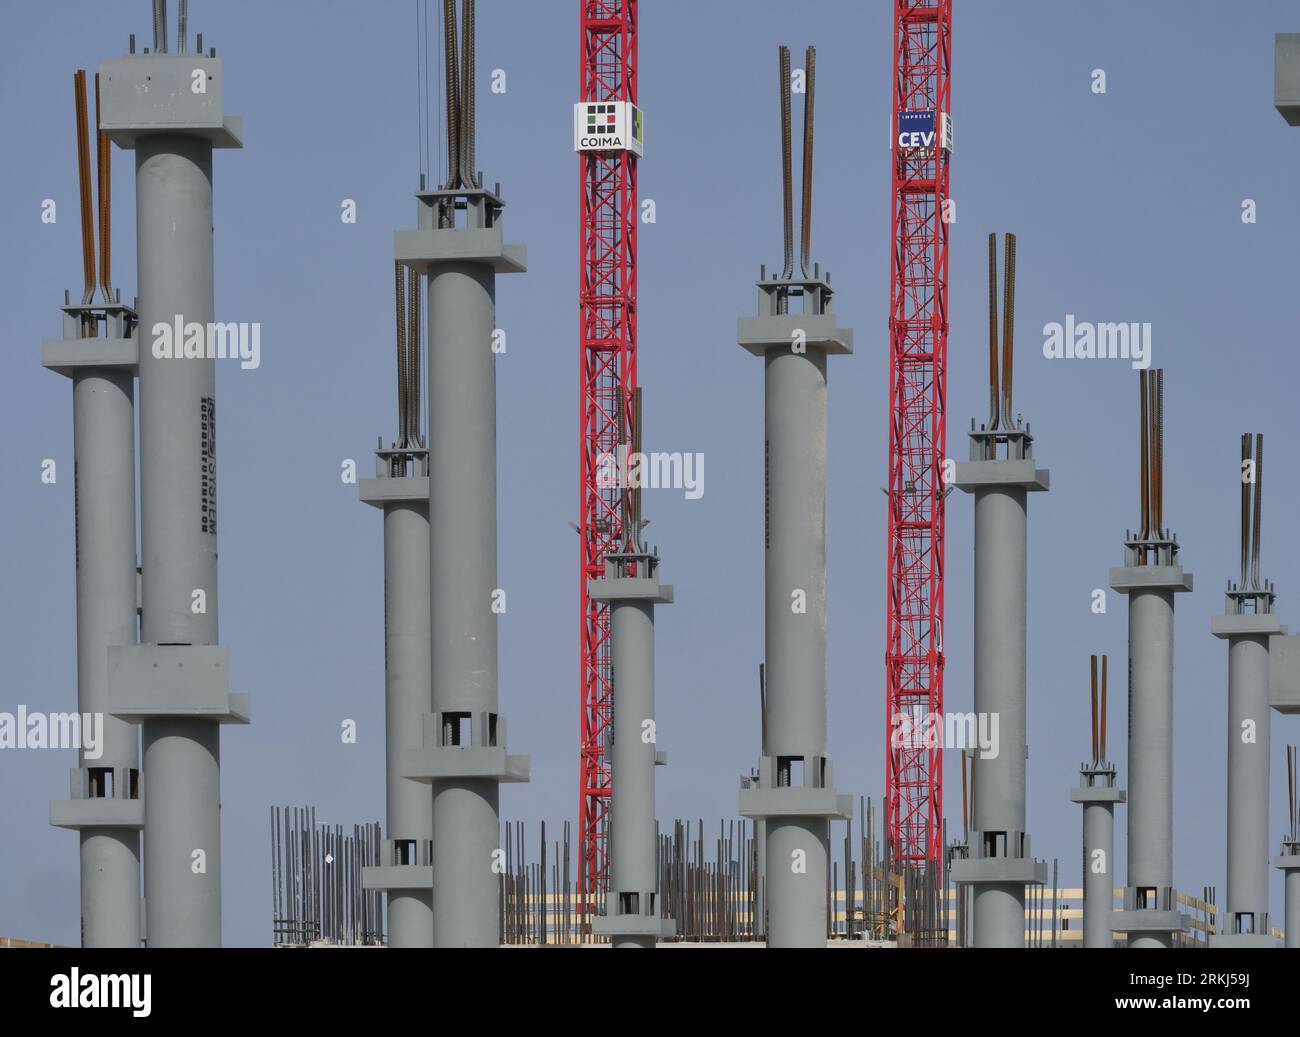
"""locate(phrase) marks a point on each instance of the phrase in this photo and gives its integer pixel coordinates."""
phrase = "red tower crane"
(918, 356)
(607, 135)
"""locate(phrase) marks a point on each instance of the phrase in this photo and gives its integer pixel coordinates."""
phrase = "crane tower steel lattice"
(608, 333)
(918, 350)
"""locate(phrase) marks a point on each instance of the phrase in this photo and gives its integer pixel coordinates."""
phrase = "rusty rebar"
(468, 174)
(104, 164)
(1145, 477)
(1158, 422)
(1246, 467)
(413, 344)
(809, 101)
(402, 375)
(182, 26)
(995, 389)
(452, 84)
(787, 174)
(1258, 509)
(1008, 327)
(83, 179)
(1095, 742)
(1102, 723)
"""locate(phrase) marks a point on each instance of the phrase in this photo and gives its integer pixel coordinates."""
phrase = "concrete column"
(405, 871)
(999, 863)
(1289, 863)
(463, 753)
(632, 912)
(795, 793)
(105, 805)
(1245, 919)
(177, 681)
(1098, 794)
(1150, 916)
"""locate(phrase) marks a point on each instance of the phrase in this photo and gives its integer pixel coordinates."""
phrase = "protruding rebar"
(1145, 476)
(787, 175)
(468, 132)
(1008, 328)
(182, 26)
(1259, 504)
(1095, 742)
(1292, 815)
(994, 388)
(809, 101)
(414, 340)
(1102, 723)
(104, 163)
(403, 376)
(1158, 468)
(157, 26)
(1245, 508)
(452, 91)
(160, 44)
(83, 179)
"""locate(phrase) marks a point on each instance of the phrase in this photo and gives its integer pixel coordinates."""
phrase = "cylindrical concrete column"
(463, 577)
(632, 756)
(1150, 747)
(178, 521)
(1098, 874)
(795, 632)
(103, 411)
(998, 909)
(1248, 768)
(1292, 892)
(407, 698)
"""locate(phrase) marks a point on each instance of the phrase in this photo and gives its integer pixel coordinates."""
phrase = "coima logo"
(213, 341)
(73, 990)
(657, 471)
(25, 730)
(1081, 340)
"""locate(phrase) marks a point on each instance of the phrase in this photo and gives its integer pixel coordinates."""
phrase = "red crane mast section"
(608, 381)
(918, 355)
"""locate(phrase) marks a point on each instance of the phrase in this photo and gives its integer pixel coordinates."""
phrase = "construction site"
(825, 701)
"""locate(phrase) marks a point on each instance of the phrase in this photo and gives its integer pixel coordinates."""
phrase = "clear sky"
(1127, 206)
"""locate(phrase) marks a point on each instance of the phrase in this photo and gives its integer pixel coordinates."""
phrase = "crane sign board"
(608, 126)
(916, 130)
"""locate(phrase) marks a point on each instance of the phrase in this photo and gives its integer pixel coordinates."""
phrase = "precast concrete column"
(1098, 793)
(405, 871)
(1245, 920)
(1150, 917)
(463, 753)
(177, 681)
(104, 806)
(1288, 861)
(794, 792)
(632, 910)
(999, 863)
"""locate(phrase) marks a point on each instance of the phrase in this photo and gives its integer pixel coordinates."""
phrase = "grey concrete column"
(176, 682)
(633, 913)
(463, 753)
(1150, 916)
(794, 792)
(1098, 793)
(405, 870)
(1245, 920)
(104, 806)
(999, 863)
(1288, 861)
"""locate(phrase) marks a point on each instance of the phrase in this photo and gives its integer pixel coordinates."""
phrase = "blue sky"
(1127, 208)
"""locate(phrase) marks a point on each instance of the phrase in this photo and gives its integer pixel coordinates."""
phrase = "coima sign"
(608, 126)
(917, 130)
